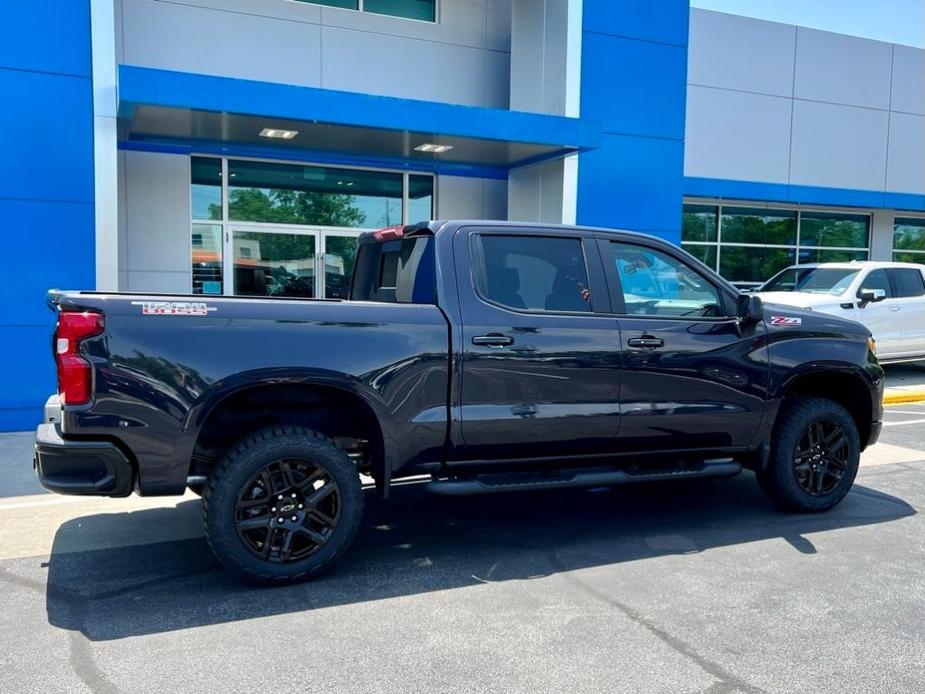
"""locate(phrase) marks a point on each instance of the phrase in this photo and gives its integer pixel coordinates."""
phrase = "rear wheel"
(282, 506)
(814, 458)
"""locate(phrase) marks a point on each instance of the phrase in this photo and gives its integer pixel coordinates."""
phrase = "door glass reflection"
(273, 264)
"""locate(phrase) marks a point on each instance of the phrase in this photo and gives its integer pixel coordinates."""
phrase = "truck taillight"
(75, 379)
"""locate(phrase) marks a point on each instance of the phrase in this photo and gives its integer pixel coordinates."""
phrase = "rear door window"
(535, 273)
(908, 281)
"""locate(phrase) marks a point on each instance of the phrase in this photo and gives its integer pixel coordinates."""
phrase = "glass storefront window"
(749, 265)
(276, 217)
(755, 225)
(735, 239)
(313, 195)
(345, 4)
(698, 223)
(424, 10)
(206, 190)
(206, 242)
(420, 198)
(825, 255)
(834, 229)
(909, 240)
(340, 256)
(705, 253)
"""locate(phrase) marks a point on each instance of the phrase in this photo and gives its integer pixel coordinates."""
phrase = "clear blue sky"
(895, 21)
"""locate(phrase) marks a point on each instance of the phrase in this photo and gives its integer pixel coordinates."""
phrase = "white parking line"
(892, 411)
(908, 421)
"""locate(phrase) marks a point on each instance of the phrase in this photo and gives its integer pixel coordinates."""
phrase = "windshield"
(813, 280)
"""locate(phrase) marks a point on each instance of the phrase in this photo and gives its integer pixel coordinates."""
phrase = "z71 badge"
(786, 320)
(173, 308)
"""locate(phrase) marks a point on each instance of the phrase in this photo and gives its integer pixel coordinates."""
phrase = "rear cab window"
(395, 270)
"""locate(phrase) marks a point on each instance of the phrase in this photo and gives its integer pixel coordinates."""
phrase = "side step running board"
(491, 484)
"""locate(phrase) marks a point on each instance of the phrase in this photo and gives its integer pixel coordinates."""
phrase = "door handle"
(895, 308)
(493, 340)
(646, 342)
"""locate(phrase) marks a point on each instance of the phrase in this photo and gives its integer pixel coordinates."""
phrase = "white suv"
(888, 298)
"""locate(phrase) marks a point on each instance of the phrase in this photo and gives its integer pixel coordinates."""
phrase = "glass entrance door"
(339, 253)
(273, 262)
(279, 261)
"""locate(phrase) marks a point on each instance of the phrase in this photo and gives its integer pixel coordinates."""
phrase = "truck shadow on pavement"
(419, 543)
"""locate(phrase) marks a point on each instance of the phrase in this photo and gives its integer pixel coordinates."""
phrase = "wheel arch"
(334, 406)
(846, 385)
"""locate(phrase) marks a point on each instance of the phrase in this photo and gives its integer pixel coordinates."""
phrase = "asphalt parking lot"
(698, 587)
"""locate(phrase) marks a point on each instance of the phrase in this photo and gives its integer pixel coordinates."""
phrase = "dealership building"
(240, 146)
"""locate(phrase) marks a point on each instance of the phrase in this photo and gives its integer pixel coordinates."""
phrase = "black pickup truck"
(486, 356)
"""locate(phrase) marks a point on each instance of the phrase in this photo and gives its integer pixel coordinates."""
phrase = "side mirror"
(750, 308)
(868, 296)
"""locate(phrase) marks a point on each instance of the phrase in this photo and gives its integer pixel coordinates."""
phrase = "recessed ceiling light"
(435, 149)
(278, 134)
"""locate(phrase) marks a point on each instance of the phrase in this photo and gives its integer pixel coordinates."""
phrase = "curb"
(898, 397)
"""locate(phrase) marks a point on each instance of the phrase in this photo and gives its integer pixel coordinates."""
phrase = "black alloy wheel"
(287, 510)
(821, 458)
(814, 455)
(282, 505)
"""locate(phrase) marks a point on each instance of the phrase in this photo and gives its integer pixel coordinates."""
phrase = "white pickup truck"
(888, 298)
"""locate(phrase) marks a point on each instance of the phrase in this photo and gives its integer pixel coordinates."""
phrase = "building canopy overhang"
(178, 111)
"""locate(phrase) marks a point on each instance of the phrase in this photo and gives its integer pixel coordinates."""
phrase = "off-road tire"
(784, 479)
(239, 465)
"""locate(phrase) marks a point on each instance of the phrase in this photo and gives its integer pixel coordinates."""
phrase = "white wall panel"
(230, 44)
(908, 80)
(461, 23)
(495, 200)
(737, 135)
(842, 69)
(905, 171)
(735, 52)
(838, 146)
(410, 68)
(857, 105)
(169, 282)
(498, 26)
(462, 197)
(157, 213)
(464, 58)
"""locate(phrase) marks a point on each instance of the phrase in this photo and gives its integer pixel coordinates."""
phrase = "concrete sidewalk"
(905, 383)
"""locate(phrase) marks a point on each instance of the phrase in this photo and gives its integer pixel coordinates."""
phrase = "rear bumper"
(93, 468)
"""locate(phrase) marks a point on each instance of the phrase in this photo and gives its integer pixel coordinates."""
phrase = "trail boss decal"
(786, 320)
(173, 308)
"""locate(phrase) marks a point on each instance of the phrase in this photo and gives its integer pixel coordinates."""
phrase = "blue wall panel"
(46, 137)
(816, 195)
(646, 86)
(634, 80)
(46, 36)
(660, 21)
(627, 184)
(54, 241)
(46, 187)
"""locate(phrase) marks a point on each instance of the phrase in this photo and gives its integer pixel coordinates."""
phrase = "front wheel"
(815, 453)
(282, 505)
